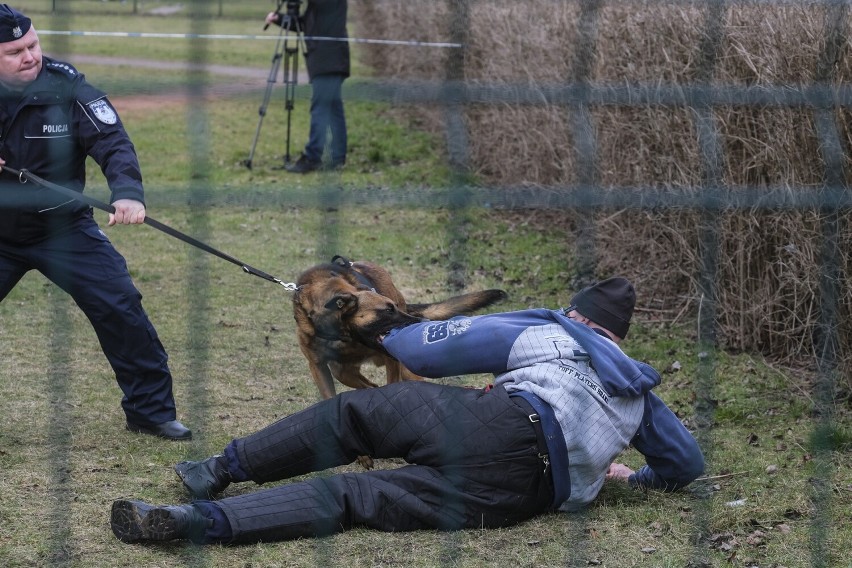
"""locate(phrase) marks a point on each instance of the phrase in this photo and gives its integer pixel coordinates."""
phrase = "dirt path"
(237, 80)
(234, 71)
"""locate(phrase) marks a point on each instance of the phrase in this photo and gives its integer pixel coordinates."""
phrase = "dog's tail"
(463, 304)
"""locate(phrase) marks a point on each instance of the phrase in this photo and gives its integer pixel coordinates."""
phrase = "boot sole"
(131, 523)
(206, 488)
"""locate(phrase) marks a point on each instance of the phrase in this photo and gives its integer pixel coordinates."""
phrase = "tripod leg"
(291, 79)
(270, 81)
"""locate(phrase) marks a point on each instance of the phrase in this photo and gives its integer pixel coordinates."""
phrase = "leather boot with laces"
(204, 479)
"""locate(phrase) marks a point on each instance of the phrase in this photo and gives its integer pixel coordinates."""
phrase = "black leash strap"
(24, 176)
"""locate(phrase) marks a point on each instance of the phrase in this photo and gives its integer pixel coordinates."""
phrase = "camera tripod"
(290, 39)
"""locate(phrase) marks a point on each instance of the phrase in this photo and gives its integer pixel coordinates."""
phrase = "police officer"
(51, 119)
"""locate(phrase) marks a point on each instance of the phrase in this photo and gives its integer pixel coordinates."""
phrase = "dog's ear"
(343, 303)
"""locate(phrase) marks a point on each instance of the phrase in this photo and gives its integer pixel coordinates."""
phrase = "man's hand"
(619, 472)
(271, 18)
(127, 212)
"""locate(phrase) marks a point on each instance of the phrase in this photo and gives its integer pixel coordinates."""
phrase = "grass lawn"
(776, 494)
(65, 456)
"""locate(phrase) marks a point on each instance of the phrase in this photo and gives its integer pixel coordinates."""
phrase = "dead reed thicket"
(769, 258)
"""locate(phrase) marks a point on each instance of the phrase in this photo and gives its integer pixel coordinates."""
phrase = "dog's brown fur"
(342, 307)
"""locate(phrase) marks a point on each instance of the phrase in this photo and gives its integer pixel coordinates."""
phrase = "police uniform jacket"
(49, 129)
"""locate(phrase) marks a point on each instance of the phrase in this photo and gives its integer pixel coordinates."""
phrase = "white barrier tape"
(261, 37)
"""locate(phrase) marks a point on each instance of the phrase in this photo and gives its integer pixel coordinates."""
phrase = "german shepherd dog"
(342, 307)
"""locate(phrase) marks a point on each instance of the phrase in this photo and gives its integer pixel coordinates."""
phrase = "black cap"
(608, 303)
(13, 24)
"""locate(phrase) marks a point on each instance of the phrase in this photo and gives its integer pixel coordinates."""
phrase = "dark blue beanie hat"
(13, 24)
(609, 303)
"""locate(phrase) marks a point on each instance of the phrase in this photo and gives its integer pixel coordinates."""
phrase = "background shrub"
(769, 261)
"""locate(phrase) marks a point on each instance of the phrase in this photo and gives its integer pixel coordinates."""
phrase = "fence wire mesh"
(578, 96)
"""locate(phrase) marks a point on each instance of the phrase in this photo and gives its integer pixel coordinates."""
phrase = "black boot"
(134, 521)
(204, 479)
(171, 430)
(303, 165)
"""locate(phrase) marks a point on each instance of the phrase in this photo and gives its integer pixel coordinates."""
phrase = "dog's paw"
(365, 461)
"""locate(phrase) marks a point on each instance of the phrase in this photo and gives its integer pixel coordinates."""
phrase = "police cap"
(13, 24)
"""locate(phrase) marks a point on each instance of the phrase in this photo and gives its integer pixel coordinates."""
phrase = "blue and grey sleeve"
(672, 455)
(459, 346)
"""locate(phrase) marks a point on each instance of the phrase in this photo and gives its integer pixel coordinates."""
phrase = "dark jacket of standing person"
(326, 18)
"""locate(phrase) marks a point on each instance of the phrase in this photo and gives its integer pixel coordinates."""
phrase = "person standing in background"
(328, 67)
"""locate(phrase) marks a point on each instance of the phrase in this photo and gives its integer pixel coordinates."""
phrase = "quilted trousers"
(472, 461)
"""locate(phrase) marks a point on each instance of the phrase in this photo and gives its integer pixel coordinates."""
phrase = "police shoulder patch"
(103, 111)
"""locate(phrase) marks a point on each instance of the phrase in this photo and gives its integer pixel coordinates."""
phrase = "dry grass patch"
(769, 262)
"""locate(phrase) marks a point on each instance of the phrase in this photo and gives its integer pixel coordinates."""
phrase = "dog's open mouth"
(375, 335)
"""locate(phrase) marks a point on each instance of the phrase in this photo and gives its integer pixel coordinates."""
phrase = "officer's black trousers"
(472, 455)
(84, 263)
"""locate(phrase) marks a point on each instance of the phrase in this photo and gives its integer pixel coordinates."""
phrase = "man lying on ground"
(566, 401)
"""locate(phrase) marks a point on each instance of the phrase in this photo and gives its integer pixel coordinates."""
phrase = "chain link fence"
(710, 182)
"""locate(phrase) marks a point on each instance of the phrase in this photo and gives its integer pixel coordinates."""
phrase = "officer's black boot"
(135, 521)
(204, 479)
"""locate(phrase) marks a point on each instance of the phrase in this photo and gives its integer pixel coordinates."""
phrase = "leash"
(24, 176)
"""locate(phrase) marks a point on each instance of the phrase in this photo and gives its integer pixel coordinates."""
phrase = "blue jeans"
(327, 117)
